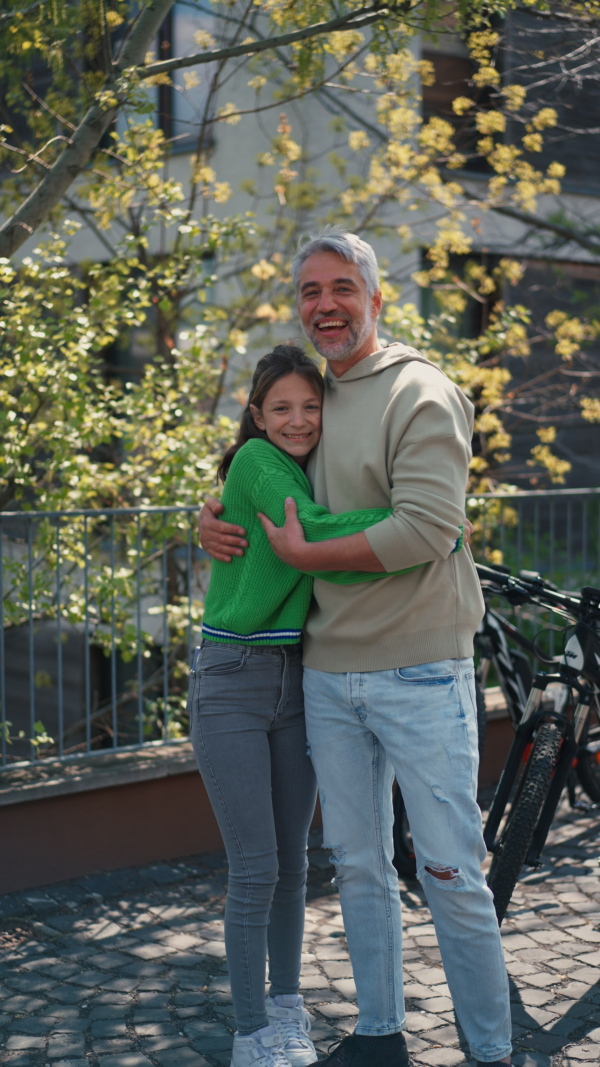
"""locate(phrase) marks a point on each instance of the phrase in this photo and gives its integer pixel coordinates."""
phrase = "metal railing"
(100, 611)
(555, 531)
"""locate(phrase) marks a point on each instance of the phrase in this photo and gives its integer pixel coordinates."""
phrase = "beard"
(336, 351)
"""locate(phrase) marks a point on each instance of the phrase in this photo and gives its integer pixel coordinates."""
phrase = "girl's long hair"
(283, 360)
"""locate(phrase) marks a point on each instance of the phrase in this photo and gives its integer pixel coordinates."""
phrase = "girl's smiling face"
(291, 416)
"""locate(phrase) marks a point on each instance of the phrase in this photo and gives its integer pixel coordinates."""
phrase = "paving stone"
(567, 1025)
(31, 983)
(70, 1063)
(441, 1057)
(29, 1025)
(25, 1041)
(189, 998)
(584, 1052)
(581, 990)
(62, 1046)
(539, 978)
(537, 997)
(545, 1042)
(125, 1059)
(19, 1059)
(108, 1028)
(421, 1021)
(584, 974)
(180, 1057)
(345, 986)
(531, 1059)
(153, 999)
(113, 1047)
(434, 1004)
(23, 1004)
(337, 968)
(338, 1010)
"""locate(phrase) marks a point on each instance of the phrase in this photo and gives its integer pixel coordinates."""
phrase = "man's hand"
(469, 530)
(288, 541)
(222, 540)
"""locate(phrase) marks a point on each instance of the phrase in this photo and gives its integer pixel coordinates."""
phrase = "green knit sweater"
(258, 599)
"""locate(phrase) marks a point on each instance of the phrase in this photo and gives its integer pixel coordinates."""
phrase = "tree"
(359, 62)
(200, 261)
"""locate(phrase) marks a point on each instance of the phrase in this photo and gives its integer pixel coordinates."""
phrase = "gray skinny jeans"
(247, 727)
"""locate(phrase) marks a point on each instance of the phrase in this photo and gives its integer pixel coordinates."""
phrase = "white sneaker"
(263, 1048)
(291, 1020)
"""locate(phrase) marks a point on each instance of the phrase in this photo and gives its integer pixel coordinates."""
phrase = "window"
(453, 75)
(558, 62)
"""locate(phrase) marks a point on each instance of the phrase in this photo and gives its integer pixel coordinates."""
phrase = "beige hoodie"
(396, 431)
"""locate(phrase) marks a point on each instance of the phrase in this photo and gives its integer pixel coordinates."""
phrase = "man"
(388, 673)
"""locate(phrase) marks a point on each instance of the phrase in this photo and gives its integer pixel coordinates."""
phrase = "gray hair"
(349, 246)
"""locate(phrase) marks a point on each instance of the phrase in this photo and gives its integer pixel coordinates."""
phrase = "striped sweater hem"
(259, 637)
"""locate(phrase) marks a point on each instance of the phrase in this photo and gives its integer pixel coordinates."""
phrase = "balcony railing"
(100, 611)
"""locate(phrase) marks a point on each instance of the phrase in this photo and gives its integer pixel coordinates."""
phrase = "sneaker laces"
(293, 1024)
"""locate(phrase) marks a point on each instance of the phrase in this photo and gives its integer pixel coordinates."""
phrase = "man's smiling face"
(337, 314)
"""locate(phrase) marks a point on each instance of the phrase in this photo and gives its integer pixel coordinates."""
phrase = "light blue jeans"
(418, 723)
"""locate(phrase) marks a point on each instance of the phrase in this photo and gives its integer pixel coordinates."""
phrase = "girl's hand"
(220, 539)
(288, 541)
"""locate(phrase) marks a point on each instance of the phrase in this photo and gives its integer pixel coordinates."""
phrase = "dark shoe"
(359, 1050)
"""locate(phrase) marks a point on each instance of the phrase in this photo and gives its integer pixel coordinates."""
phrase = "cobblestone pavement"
(128, 969)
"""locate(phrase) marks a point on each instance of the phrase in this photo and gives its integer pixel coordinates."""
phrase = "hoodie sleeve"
(428, 461)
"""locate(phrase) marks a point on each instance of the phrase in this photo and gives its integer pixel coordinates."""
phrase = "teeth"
(324, 325)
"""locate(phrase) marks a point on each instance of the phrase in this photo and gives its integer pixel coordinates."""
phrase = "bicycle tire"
(515, 839)
(588, 766)
(404, 853)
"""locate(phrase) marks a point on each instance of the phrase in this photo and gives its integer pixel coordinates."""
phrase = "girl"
(246, 707)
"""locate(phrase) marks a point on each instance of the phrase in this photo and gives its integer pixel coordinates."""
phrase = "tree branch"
(537, 222)
(353, 20)
(79, 150)
(20, 14)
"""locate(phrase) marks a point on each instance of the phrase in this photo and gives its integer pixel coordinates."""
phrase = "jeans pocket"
(216, 660)
(469, 685)
(438, 673)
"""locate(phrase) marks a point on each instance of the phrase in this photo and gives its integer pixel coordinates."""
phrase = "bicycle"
(515, 677)
(546, 741)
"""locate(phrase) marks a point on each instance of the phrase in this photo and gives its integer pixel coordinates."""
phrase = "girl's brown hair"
(283, 360)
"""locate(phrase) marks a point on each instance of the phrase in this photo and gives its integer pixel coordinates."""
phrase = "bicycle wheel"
(513, 845)
(404, 852)
(588, 759)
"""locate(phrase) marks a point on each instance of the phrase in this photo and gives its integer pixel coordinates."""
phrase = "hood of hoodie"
(378, 361)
